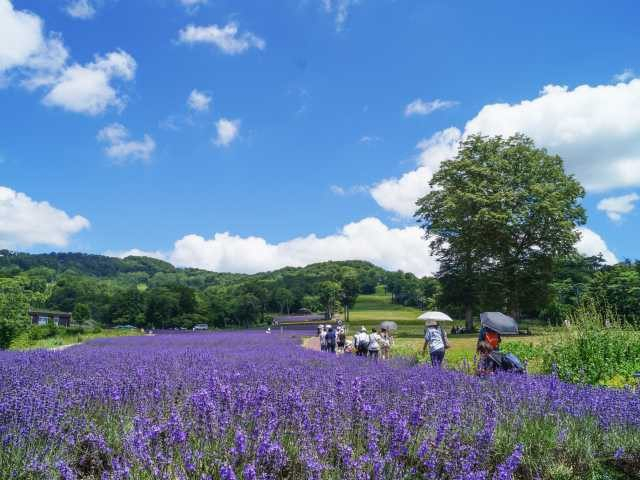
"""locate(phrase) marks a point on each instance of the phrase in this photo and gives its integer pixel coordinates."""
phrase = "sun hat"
(363, 329)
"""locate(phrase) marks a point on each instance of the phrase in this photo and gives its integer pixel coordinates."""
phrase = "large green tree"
(501, 209)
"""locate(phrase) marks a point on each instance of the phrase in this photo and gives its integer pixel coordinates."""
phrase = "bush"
(596, 348)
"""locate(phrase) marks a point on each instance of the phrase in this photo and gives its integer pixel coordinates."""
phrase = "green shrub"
(596, 348)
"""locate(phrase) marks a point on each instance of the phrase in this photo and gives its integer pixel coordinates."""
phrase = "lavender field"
(254, 406)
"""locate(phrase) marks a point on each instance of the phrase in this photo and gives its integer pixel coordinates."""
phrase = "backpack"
(363, 341)
(507, 362)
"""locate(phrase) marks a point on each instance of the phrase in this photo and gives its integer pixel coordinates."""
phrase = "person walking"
(385, 346)
(330, 340)
(361, 342)
(323, 338)
(435, 339)
(341, 338)
(375, 343)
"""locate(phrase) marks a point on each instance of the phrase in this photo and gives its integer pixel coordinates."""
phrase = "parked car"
(200, 326)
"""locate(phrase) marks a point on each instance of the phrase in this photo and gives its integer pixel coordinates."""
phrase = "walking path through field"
(312, 343)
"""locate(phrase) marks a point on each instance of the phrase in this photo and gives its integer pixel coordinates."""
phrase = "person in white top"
(361, 342)
(323, 339)
(375, 343)
(436, 340)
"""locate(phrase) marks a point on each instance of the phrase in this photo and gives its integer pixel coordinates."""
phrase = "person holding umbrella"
(493, 326)
(435, 339)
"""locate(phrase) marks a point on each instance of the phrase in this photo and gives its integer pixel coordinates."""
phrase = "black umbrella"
(499, 322)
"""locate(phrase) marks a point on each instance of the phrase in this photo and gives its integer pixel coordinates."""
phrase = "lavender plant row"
(254, 406)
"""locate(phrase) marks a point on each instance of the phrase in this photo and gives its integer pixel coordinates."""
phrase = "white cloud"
(399, 195)
(87, 88)
(615, 207)
(227, 131)
(82, 9)
(595, 129)
(41, 61)
(420, 107)
(23, 44)
(226, 38)
(625, 76)
(369, 139)
(369, 239)
(592, 244)
(120, 148)
(198, 101)
(25, 222)
(353, 190)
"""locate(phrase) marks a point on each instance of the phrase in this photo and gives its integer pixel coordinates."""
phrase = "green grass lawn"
(62, 340)
(370, 310)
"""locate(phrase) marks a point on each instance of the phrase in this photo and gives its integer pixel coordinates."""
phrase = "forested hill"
(146, 292)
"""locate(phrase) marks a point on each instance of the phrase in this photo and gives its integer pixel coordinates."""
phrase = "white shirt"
(434, 339)
(374, 342)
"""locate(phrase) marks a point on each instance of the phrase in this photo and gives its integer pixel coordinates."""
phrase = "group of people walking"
(364, 344)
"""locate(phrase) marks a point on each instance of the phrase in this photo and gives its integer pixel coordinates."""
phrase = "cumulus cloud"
(595, 129)
(81, 9)
(120, 148)
(88, 88)
(198, 101)
(24, 44)
(369, 239)
(399, 195)
(420, 107)
(40, 61)
(227, 131)
(227, 38)
(592, 244)
(615, 207)
(25, 222)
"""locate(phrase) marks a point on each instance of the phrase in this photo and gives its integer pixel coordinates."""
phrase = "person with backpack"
(375, 343)
(435, 339)
(330, 340)
(361, 342)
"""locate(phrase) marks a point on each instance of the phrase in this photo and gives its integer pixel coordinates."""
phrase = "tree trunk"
(468, 318)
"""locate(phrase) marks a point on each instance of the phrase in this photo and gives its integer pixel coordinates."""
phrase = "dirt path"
(63, 347)
(312, 343)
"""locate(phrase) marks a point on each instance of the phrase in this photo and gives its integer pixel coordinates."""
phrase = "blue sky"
(320, 156)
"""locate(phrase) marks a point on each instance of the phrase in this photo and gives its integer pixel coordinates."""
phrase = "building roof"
(48, 312)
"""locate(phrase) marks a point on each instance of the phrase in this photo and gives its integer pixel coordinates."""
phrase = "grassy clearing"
(24, 342)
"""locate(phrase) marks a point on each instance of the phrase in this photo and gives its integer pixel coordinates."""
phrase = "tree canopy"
(496, 217)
